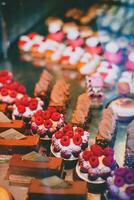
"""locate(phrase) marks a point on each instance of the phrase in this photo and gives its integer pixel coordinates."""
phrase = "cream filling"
(112, 47)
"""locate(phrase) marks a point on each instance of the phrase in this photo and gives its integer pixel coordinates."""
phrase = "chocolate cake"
(21, 146)
(77, 191)
(80, 113)
(60, 94)
(48, 167)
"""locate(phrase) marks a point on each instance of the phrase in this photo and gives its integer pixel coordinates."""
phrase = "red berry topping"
(25, 100)
(3, 80)
(119, 181)
(48, 123)
(39, 113)
(67, 127)
(65, 140)
(94, 161)
(97, 150)
(4, 91)
(87, 154)
(4, 73)
(70, 134)
(32, 35)
(21, 89)
(14, 85)
(51, 109)
(46, 114)
(130, 191)
(59, 134)
(108, 161)
(120, 171)
(21, 42)
(55, 116)
(77, 139)
(129, 178)
(21, 108)
(79, 131)
(33, 104)
(108, 151)
(39, 120)
(13, 94)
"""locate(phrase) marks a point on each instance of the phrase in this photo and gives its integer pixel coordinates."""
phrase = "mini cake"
(46, 122)
(80, 115)
(88, 64)
(109, 73)
(55, 28)
(69, 142)
(95, 89)
(123, 108)
(75, 190)
(42, 86)
(60, 94)
(107, 128)
(121, 184)
(12, 92)
(96, 164)
(113, 53)
(93, 46)
(126, 83)
(6, 77)
(130, 61)
(25, 107)
(129, 156)
(52, 166)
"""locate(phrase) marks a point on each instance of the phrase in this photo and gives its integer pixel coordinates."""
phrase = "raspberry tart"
(96, 164)
(121, 184)
(25, 107)
(46, 122)
(69, 141)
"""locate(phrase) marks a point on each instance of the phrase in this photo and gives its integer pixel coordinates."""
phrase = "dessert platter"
(75, 90)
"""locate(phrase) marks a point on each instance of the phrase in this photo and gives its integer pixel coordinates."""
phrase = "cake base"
(16, 124)
(77, 191)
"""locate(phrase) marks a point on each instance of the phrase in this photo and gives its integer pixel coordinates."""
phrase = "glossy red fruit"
(87, 154)
(65, 140)
(39, 120)
(48, 123)
(79, 130)
(70, 134)
(67, 128)
(55, 116)
(21, 108)
(4, 91)
(108, 161)
(46, 114)
(94, 161)
(97, 150)
(59, 134)
(77, 139)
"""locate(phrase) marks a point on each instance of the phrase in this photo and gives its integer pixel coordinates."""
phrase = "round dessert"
(96, 164)
(10, 93)
(94, 46)
(123, 108)
(69, 141)
(46, 122)
(113, 53)
(25, 107)
(6, 77)
(121, 184)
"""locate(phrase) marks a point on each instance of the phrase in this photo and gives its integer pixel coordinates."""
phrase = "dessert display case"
(67, 99)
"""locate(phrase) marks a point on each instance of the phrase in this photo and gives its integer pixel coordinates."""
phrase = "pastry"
(80, 114)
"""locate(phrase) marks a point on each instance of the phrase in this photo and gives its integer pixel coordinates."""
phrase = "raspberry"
(79, 131)
(3, 80)
(55, 116)
(108, 161)
(97, 150)
(39, 120)
(21, 108)
(51, 109)
(77, 139)
(48, 123)
(108, 151)
(21, 42)
(83, 169)
(25, 100)
(70, 134)
(94, 161)
(130, 191)
(59, 134)
(32, 35)
(4, 91)
(46, 114)
(87, 154)
(129, 178)
(120, 171)
(21, 89)
(4, 73)
(39, 113)
(119, 181)
(13, 94)
(33, 104)
(65, 140)
(67, 127)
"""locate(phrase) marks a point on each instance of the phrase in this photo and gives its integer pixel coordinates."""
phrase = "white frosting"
(37, 38)
(75, 56)
(86, 57)
(24, 38)
(72, 34)
(112, 47)
(54, 27)
(131, 56)
(57, 54)
(27, 46)
(92, 41)
(8, 99)
(128, 77)
(48, 45)
(67, 51)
